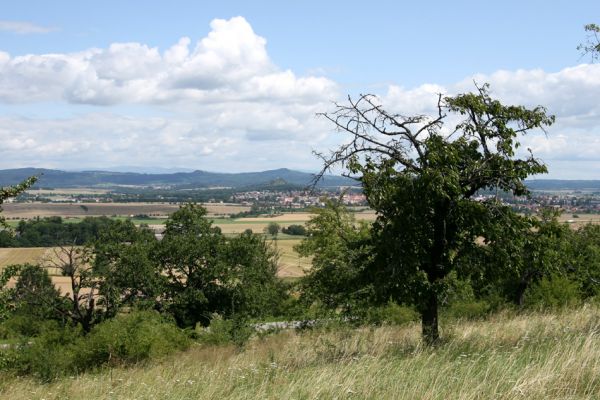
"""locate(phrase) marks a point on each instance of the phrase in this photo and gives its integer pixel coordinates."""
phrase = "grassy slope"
(524, 357)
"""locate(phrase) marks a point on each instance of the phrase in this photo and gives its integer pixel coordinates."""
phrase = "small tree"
(422, 178)
(273, 229)
(206, 273)
(341, 249)
(82, 294)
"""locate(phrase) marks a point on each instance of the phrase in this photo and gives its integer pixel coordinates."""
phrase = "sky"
(236, 86)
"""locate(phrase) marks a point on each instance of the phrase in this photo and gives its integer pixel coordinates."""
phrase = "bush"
(391, 314)
(224, 331)
(132, 338)
(51, 354)
(298, 230)
(468, 309)
(124, 340)
(553, 292)
(18, 326)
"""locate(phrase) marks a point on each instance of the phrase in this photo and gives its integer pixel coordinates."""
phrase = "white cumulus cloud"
(221, 103)
(231, 64)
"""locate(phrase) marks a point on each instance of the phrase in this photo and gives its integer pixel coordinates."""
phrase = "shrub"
(132, 338)
(465, 309)
(298, 230)
(51, 354)
(392, 314)
(553, 292)
(224, 331)
(124, 340)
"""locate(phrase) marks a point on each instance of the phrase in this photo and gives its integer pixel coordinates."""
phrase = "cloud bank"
(221, 103)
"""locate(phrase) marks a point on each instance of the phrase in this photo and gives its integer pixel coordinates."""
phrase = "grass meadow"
(507, 356)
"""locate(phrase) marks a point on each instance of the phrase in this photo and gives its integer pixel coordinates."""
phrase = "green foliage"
(552, 292)
(464, 309)
(592, 45)
(54, 231)
(123, 258)
(297, 230)
(341, 251)
(13, 191)
(585, 259)
(125, 340)
(422, 183)
(272, 228)
(34, 294)
(131, 338)
(206, 273)
(391, 314)
(225, 331)
(526, 250)
(250, 280)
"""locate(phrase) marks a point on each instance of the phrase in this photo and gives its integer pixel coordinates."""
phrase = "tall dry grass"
(528, 356)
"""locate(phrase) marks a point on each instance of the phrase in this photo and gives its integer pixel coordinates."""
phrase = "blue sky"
(239, 92)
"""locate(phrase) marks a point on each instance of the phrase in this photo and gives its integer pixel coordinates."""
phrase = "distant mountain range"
(51, 178)
(562, 184)
(283, 177)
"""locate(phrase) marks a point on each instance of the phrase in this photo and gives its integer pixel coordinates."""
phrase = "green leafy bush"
(224, 331)
(391, 314)
(51, 354)
(553, 292)
(132, 338)
(465, 309)
(124, 340)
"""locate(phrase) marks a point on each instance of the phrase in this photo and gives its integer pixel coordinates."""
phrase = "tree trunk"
(429, 319)
(522, 288)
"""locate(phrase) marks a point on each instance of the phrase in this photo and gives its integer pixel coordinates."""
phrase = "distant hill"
(561, 184)
(51, 178)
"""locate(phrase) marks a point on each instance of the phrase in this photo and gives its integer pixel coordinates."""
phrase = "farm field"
(506, 356)
(580, 219)
(258, 224)
(80, 210)
(67, 191)
(291, 265)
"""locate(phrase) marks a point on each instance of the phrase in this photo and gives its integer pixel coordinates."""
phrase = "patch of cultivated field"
(258, 224)
(69, 210)
(30, 255)
(67, 191)
(580, 219)
(526, 356)
(291, 265)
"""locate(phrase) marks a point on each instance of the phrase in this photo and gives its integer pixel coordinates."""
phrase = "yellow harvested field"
(258, 224)
(304, 217)
(32, 210)
(11, 256)
(28, 255)
(580, 219)
(291, 265)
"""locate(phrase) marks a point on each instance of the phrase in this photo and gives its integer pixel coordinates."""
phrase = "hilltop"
(52, 178)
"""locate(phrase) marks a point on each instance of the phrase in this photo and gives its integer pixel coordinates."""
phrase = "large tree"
(422, 175)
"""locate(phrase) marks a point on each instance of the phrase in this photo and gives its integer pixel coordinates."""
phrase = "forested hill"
(50, 178)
